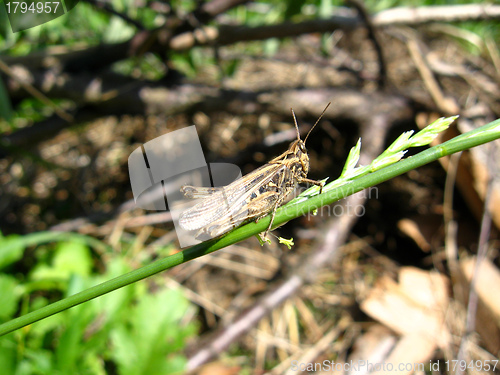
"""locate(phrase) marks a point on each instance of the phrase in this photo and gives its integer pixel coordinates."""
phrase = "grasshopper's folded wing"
(225, 202)
(194, 192)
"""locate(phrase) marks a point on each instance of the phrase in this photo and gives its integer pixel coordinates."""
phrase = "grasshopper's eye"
(302, 147)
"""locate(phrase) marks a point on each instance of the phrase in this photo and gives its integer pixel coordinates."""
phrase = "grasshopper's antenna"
(316, 123)
(295, 121)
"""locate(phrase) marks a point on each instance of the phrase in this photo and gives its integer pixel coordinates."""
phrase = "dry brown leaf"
(416, 305)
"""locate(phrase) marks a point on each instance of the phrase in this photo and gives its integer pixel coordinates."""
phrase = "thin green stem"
(484, 134)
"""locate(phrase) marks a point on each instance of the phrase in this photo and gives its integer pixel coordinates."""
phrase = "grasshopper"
(251, 197)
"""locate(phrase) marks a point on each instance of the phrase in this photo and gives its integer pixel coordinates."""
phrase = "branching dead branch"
(154, 99)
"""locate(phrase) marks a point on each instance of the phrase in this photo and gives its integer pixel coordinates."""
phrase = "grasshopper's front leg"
(313, 182)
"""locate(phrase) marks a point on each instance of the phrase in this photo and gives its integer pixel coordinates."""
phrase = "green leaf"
(231, 67)
(8, 297)
(124, 351)
(184, 63)
(70, 258)
(401, 143)
(73, 258)
(155, 326)
(325, 8)
(271, 46)
(118, 31)
(352, 159)
(8, 355)
(11, 249)
(70, 344)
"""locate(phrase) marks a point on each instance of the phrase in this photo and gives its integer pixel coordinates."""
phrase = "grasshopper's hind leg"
(273, 214)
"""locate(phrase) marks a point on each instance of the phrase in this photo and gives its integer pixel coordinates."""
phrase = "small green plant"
(393, 154)
(135, 330)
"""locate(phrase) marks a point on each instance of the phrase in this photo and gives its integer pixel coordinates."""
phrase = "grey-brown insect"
(251, 197)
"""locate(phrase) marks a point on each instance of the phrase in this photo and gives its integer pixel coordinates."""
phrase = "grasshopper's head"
(298, 148)
(298, 151)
